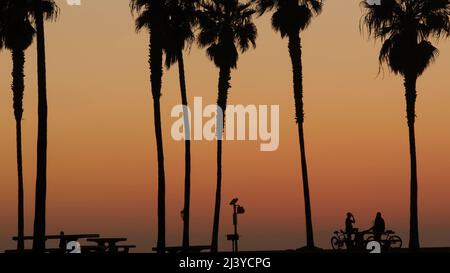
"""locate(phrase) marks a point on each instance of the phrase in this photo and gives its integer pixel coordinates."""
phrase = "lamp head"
(240, 210)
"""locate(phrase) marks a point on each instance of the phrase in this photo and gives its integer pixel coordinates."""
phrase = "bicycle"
(338, 241)
(390, 240)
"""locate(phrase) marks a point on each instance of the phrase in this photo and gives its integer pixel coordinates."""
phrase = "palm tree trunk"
(187, 152)
(18, 57)
(224, 85)
(296, 59)
(161, 244)
(41, 170)
(411, 95)
(20, 200)
(156, 82)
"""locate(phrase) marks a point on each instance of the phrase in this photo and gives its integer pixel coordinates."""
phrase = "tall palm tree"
(153, 16)
(19, 36)
(226, 27)
(290, 17)
(3, 6)
(40, 10)
(180, 34)
(405, 27)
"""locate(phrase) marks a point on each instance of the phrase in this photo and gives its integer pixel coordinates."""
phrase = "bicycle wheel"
(335, 243)
(395, 241)
(368, 239)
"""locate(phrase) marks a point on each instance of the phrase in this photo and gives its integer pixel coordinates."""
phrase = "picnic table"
(67, 237)
(102, 244)
(63, 240)
(107, 244)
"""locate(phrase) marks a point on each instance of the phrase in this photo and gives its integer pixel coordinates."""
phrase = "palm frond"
(290, 16)
(226, 27)
(426, 54)
(16, 28)
(405, 27)
(179, 31)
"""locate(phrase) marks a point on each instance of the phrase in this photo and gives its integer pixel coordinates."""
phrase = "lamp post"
(234, 238)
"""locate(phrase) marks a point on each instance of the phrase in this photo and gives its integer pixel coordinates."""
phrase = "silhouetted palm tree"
(405, 27)
(226, 26)
(19, 34)
(3, 7)
(290, 18)
(182, 21)
(153, 16)
(40, 10)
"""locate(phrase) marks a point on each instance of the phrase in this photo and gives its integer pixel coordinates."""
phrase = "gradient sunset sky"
(102, 155)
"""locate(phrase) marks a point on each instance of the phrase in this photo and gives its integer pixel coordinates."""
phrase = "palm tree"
(226, 26)
(153, 16)
(19, 36)
(180, 34)
(40, 10)
(290, 18)
(3, 6)
(405, 27)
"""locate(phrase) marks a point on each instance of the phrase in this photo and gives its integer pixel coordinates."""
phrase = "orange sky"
(102, 156)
